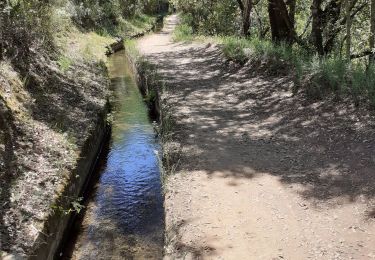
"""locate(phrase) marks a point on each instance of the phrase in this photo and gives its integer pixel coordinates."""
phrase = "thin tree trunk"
(317, 26)
(245, 8)
(332, 18)
(2, 47)
(246, 17)
(348, 29)
(281, 27)
(260, 23)
(292, 11)
(372, 32)
(338, 24)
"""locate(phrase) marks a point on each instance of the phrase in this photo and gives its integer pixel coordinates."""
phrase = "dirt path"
(262, 174)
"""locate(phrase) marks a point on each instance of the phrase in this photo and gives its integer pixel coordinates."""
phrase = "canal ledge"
(152, 88)
(61, 214)
(53, 238)
(57, 226)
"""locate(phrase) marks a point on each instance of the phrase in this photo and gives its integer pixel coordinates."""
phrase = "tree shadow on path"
(244, 123)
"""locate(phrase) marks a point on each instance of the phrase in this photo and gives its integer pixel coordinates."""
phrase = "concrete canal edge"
(154, 91)
(57, 228)
(152, 87)
(58, 224)
(48, 243)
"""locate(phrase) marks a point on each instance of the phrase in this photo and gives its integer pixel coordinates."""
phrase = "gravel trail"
(262, 174)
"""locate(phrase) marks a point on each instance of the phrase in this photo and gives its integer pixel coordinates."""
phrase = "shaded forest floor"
(259, 172)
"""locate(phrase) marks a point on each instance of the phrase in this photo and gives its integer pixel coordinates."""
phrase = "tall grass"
(318, 76)
(235, 48)
(183, 32)
(64, 63)
(131, 48)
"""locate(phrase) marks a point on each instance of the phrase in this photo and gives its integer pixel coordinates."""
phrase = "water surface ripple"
(124, 216)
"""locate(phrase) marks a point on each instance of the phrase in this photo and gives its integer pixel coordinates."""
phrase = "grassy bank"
(316, 76)
(49, 115)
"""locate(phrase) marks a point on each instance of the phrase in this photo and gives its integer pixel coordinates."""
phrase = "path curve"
(262, 173)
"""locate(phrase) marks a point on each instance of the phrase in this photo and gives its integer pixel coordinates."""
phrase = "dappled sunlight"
(263, 126)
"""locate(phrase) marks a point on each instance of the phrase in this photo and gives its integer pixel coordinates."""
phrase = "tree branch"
(362, 54)
(306, 26)
(342, 22)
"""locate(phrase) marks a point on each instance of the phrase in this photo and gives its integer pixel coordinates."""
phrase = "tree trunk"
(317, 26)
(348, 29)
(292, 11)
(1, 36)
(326, 20)
(246, 17)
(245, 8)
(3, 26)
(331, 24)
(281, 26)
(372, 32)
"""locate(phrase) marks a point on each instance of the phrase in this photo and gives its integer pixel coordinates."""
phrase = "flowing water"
(124, 216)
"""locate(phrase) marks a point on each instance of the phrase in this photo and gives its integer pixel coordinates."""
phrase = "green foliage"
(363, 82)
(75, 206)
(338, 76)
(221, 19)
(319, 75)
(64, 63)
(212, 17)
(112, 16)
(234, 48)
(24, 26)
(241, 49)
(150, 97)
(327, 73)
(131, 48)
(183, 32)
(333, 71)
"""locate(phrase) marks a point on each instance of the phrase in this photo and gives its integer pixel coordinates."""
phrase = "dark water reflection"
(124, 217)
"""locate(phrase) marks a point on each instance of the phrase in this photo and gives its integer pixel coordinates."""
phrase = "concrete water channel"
(124, 216)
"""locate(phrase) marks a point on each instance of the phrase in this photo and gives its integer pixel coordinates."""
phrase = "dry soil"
(262, 174)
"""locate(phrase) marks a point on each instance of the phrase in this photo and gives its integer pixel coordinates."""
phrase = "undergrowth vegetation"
(31, 28)
(116, 17)
(183, 32)
(317, 76)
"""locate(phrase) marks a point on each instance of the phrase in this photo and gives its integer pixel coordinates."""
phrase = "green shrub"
(210, 17)
(24, 25)
(115, 17)
(334, 72)
(359, 81)
(234, 48)
(183, 32)
(365, 77)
